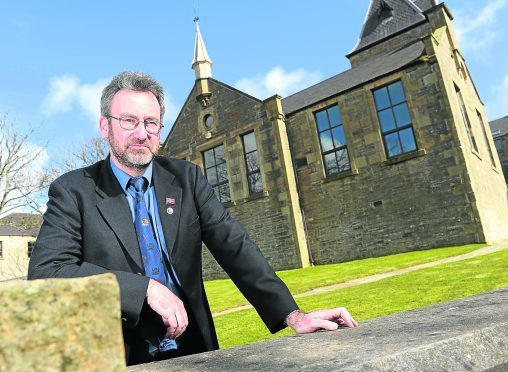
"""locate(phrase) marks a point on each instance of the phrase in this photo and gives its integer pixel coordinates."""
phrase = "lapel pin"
(169, 210)
(170, 201)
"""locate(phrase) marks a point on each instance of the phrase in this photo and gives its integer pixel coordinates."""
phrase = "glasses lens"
(152, 126)
(128, 123)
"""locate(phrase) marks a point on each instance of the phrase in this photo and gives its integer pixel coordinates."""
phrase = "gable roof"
(352, 78)
(499, 127)
(386, 18)
(424, 4)
(20, 224)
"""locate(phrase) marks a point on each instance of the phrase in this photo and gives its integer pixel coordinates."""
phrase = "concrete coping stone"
(469, 334)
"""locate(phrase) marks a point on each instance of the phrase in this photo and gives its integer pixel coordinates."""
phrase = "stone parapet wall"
(469, 334)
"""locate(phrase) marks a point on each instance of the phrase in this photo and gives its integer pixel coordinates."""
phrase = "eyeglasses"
(151, 126)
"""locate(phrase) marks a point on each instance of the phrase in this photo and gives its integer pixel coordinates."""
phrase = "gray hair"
(137, 81)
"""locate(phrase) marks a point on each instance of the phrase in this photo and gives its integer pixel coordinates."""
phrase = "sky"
(56, 55)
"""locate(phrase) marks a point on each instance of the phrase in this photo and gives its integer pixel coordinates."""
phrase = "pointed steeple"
(202, 64)
(388, 17)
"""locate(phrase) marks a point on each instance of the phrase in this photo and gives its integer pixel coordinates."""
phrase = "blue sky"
(56, 56)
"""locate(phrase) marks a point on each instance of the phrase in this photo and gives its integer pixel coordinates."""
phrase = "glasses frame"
(145, 122)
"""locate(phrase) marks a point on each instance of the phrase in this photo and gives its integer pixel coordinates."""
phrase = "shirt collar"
(124, 178)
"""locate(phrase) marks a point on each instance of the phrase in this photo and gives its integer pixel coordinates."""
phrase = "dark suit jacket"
(88, 230)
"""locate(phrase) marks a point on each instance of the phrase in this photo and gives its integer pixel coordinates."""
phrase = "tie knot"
(138, 183)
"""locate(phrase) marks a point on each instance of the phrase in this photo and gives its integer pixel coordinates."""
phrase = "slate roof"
(424, 4)
(352, 78)
(20, 224)
(387, 17)
(499, 127)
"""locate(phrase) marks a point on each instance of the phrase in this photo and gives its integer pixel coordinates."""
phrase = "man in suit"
(143, 218)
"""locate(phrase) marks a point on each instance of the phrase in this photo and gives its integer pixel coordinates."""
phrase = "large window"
(217, 173)
(465, 119)
(30, 248)
(395, 121)
(486, 138)
(333, 140)
(250, 151)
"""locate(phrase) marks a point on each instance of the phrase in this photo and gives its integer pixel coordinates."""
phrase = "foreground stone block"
(61, 325)
(470, 334)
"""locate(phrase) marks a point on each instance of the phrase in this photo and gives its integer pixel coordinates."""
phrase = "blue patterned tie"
(150, 252)
(152, 257)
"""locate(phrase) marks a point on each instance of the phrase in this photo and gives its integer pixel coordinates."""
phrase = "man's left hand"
(329, 320)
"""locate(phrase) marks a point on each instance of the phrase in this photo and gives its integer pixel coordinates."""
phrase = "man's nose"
(140, 131)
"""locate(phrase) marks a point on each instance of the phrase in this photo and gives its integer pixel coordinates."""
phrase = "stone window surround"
(227, 168)
(404, 155)
(316, 130)
(481, 122)
(464, 116)
(252, 194)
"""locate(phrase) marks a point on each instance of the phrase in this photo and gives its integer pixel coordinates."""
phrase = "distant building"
(392, 155)
(499, 129)
(18, 232)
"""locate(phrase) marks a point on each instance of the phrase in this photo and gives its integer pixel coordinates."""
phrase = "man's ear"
(104, 127)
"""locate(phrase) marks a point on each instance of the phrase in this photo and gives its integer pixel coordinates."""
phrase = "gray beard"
(138, 162)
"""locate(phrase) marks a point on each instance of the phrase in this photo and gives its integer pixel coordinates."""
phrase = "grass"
(401, 293)
(223, 294)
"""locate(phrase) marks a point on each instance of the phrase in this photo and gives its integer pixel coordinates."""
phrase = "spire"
(202, 64)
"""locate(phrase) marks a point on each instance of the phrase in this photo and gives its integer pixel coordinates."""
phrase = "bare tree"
(23, 176)
(86, 154)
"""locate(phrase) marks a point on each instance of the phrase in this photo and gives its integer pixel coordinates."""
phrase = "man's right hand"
(168, 306)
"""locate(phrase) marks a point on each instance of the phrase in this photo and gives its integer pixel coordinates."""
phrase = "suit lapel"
(169, 202)
(114, 208)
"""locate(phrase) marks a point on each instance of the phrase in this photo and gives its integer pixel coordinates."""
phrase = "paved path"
(374, 278)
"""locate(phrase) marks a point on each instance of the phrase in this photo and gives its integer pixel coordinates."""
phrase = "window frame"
(255, 171)
(335, 149)
(465, 119)
(397, 129)
(216, 186)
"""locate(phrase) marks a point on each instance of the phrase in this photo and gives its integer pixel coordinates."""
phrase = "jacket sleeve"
(241, 258)
(58, 252)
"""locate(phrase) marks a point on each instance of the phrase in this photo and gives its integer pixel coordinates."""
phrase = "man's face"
(132, 150)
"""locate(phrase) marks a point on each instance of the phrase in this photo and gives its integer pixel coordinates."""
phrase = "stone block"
(61, 325)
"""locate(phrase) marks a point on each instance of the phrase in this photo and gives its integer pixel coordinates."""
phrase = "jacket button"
(139, 273)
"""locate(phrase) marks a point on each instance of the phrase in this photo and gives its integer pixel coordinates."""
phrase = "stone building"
(499, 129)
(18, 232)
(390, 156)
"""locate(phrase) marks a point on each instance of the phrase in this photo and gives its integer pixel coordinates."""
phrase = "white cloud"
(278, 81)
(497, 107)
(479, 32)
(66, 93)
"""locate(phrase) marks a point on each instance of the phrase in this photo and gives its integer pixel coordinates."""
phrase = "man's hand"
(168, 306)
(329, 320)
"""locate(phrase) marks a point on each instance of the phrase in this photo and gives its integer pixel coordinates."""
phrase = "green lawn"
(405, 292)
(223, 294)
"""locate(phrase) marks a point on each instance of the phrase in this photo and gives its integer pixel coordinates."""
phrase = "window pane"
(211, 175)
(249, 142)
(381, 98)
(386, 120)
(222, 173)
(255, 184)
(392, 145)
(322, 120)
(331, 164)
(402, 115)
(499, 144)
(396, 93)
(408, 140)
(209, 159)
(338, 136)
(343, 160)
(219, 154)
(225, 196)
(334, 116)
(326, 141)
(252, 161)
